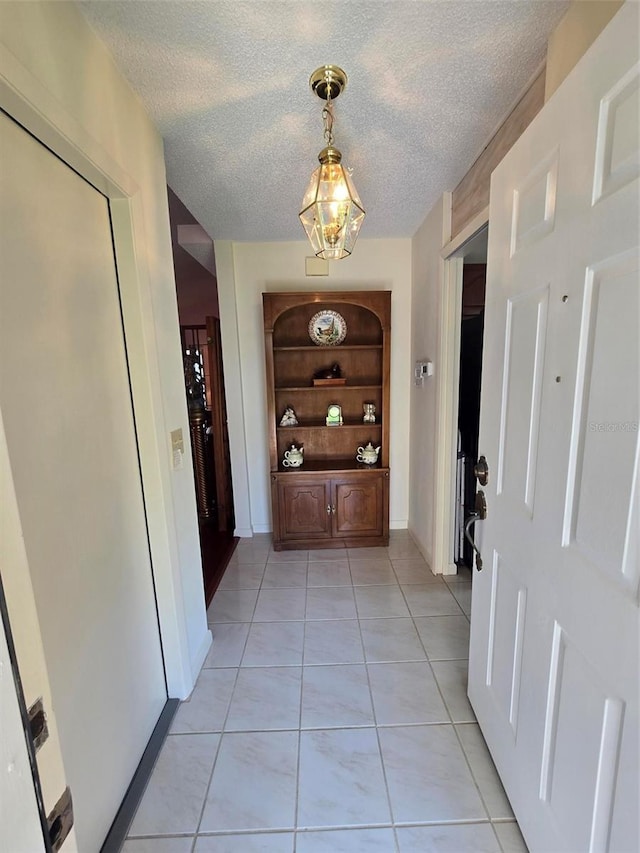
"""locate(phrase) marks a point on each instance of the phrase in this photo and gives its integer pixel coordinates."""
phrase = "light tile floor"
(330, 716)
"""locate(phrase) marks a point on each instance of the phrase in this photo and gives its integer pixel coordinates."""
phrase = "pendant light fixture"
(332, 212)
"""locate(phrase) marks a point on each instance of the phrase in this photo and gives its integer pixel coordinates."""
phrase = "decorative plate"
(327, 328)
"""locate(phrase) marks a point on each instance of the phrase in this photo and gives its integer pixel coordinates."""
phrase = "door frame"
(448, 357)
(28, 102)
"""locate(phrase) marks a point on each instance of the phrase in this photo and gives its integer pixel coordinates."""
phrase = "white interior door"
(554, 635)
(66, 406)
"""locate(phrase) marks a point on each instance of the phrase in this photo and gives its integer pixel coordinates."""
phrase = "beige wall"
(245, 270)
(427, 273)
(575, 33)
(59, 80)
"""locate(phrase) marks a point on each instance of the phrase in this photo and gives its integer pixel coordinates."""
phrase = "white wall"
(242, 278)
(426, 285)
(578, 29)
(58, 79)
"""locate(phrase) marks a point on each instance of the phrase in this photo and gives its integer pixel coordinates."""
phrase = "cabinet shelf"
(326, 350)
(335, 389)
(309, 425)
(332, 466)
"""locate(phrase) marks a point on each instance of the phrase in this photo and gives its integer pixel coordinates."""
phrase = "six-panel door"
(553, 661)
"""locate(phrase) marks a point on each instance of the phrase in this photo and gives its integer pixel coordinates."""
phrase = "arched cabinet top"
(367, 315)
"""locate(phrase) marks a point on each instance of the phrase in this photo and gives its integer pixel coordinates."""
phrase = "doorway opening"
(197, 292)
(449, 508)
(474, 276)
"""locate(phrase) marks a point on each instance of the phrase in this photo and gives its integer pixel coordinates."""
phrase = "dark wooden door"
(305, 509)
(359, 506)
(220, 435)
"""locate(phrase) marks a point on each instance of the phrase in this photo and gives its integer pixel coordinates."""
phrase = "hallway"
(331, 716)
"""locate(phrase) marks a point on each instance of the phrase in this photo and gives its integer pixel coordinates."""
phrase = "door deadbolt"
(481, 471)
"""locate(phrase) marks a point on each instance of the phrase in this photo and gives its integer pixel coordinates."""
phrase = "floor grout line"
(375, 717)
(219, 746)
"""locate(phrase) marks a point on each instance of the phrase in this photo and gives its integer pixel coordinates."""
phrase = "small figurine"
(294, 457)
(332, 372)
(289, 418)
(368, 454)
(334, 415)
(369, 413)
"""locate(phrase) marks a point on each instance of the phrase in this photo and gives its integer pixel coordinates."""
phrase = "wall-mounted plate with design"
(327, 328)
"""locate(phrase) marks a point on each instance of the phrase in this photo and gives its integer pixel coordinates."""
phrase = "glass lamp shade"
(332, 212)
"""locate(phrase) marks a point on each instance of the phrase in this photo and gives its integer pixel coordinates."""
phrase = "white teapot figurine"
(294, 457)
(368, 454)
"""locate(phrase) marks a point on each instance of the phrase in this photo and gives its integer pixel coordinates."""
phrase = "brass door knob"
(481, 471)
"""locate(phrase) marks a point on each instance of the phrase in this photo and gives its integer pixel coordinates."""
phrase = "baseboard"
(201, 655)
(123, 819)
(426, 555)
(243, 532)
(262, 528)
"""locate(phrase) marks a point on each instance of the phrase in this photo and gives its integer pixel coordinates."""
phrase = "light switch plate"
(177, 441)
(177, 449)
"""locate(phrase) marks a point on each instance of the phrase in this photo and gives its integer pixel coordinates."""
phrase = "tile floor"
(330, 716)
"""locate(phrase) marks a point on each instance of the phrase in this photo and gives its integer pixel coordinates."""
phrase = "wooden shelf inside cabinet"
(332, 500)
(323, 425)
(333, 466)
(336, 389)
(326, 351)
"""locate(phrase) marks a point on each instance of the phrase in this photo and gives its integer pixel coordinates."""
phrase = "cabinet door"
(359, 506)
(304, 509)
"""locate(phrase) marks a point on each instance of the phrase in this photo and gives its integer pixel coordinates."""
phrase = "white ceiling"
(226, 82)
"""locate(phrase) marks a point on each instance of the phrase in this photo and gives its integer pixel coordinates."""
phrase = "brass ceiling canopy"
(328, 82)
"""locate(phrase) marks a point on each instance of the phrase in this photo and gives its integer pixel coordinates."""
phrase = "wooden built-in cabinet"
(332, 500)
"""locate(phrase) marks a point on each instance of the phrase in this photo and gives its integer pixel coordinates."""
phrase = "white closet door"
(66, 406)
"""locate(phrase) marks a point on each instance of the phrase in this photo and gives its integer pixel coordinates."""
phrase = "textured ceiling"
(226, 82)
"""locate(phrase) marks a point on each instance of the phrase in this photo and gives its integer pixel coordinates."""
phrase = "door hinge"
(60, 820)
(38, 724)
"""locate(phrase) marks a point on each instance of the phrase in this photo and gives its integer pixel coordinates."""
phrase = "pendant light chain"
(328, 118)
